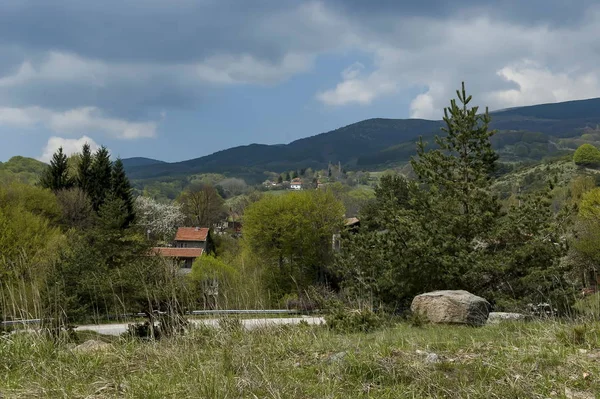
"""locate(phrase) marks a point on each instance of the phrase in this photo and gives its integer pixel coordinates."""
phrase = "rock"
(91, 345)
(336, 357)
(498, 317)
(432, 358)
(453, 307)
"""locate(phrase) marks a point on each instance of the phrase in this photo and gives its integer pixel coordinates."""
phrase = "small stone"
(498, 317)
(336, 357)
(432, 358)
(91, 346)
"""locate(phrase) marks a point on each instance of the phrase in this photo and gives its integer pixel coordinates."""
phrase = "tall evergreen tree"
(461, 168)
(100, 183)
(121, 189)
(56, 176)
(84, 170)
(446, 230)
(424, 235)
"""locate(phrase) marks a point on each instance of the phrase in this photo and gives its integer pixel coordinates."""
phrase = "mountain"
(343, 145)
(530, 132)
(139, 161)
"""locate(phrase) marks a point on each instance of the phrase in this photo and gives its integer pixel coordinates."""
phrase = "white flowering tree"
(160, 219)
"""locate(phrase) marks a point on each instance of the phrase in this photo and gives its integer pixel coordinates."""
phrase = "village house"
(296, 184)
(231, 224)
(351, 226)
(190, 243)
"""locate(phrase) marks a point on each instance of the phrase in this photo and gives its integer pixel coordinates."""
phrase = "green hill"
(26, 170)
(526, 133)
(140, 161)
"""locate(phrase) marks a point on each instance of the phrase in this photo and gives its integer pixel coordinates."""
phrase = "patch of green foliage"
(587, 155)
(21, 169)
(345, 320)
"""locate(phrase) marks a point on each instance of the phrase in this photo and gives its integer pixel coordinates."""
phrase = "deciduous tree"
(202, 205)
(293, 234)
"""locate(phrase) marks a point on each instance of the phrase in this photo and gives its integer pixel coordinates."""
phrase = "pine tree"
(56, 176)
(84, 170)
(100, 173)
(461, 168)
(446, 230)
(121, 189)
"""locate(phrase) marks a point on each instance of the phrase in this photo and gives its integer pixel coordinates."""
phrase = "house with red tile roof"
(296, 184)
(190, 243)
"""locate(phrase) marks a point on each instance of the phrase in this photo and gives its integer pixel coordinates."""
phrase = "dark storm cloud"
(526, 12)
(143, 30)
(129, 58)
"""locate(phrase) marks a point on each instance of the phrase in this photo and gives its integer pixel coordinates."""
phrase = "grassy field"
(511, 360)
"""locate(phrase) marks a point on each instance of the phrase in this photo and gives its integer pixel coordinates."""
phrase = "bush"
(587, 155)
(344, 320)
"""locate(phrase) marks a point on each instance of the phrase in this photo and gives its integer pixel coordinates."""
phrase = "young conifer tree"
(461, 168)
(121, 189)
(84, 170)
(56, 176)
(100, 173)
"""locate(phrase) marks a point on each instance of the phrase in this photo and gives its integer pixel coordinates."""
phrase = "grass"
(509, 360)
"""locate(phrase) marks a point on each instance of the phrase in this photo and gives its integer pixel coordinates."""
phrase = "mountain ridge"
(376, 142)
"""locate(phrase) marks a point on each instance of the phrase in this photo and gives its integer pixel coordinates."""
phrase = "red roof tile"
(191, 234)
(178, 252)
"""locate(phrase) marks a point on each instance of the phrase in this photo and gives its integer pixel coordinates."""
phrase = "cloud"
(106, 66)
(504, 63)
(537, 84)
(70, 59)
(77, 120)
(424, 105)
(69, 146)
(228, 69)
(356, 89)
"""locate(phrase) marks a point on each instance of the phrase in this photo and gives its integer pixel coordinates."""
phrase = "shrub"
(587, 155)
(344, 320)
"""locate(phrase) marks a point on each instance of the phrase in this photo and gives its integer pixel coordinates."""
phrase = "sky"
(179, 79)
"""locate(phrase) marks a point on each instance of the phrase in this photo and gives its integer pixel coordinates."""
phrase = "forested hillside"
(526, 133)
(22, 169)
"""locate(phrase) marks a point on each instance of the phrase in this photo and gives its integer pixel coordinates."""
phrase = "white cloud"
(69, 146)
(537, 84)
(354, 89)
(424, 105)
(61, 67)
(91, 119)
(83, 119)
(20, 117)
(503, 64)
